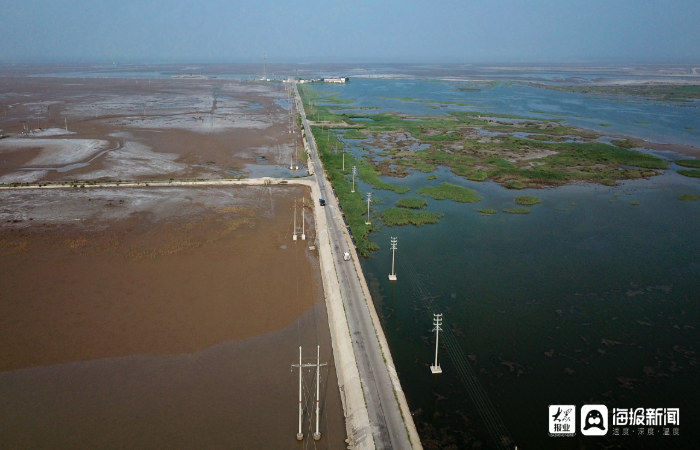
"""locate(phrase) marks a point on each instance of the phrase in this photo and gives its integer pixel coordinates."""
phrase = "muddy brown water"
(171, 325)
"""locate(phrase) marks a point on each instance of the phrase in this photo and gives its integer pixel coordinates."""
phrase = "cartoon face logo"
(595, 420)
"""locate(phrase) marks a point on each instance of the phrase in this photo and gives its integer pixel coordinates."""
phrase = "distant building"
(325, 80)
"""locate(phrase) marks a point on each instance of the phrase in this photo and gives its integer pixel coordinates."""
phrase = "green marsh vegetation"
(527, 200)
(411, 203)
(448, 191)
(487, 211)
(654, 91)
(688, 198)
(511, 161)
(692, 163)
(354, 134)
(693, 173)
(404, 216)
(475, 145)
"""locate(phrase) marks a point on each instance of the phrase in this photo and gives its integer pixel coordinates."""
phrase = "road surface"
(388, 427)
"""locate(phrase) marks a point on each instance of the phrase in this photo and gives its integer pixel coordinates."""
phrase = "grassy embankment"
(353, 203)
(329, 147)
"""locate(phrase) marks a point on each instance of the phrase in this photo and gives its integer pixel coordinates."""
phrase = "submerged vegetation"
(448, 191)
(404, 216)
(527, 200)
(517, 211)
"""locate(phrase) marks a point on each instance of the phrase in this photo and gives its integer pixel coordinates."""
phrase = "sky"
(468, 31)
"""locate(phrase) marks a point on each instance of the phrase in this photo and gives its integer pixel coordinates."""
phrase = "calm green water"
(588, 299)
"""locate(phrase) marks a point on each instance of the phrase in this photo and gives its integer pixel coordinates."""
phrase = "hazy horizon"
(505, 32)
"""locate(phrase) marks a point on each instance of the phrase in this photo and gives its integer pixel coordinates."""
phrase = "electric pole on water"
(369, 199)
(303, 234)
(437, 322)
(392, 275)
(354, 172)
(294, 235)
(317, 434)
(301, 366)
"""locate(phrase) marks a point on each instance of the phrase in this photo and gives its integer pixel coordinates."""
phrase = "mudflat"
(159, 316)
(64, 129)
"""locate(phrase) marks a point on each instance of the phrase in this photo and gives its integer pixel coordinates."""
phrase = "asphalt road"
(385, 418)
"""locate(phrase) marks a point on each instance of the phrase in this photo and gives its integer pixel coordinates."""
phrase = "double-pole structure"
(301, 365)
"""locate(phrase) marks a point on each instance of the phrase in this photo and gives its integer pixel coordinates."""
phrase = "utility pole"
(437, 322)
(369, 199)
(343, 161)
(303, 235)
(392, 275)
(294, 235)
(300, 435)
(317, 434)
(65, 121)
(354, 172)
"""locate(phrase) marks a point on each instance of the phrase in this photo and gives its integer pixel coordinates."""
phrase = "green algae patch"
(517, 211)
(432, 177)
(411, 203)
(404, 216)
(487, 211)
(527, 200)
(449, 191)
(688, 198)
